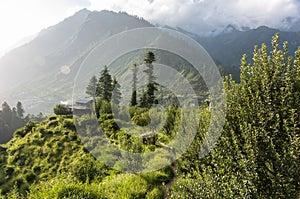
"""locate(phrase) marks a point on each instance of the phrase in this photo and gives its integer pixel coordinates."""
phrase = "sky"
(20, 19)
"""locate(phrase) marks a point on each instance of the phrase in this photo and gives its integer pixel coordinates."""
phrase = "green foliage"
(148, 97)
(173, 116)
(43, 150)
(14, 193)
(63, 186)
(156, 193)
(124, 186)
(61, 109)
(87, 169)
(20, 110)
(133, 101)
(104, 86)
(92, 87)
(150, 57)
(10, 121)
(257, 156)
(269, 104)
(141, 119)
(116, 95)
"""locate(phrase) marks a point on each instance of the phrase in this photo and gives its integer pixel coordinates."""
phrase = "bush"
(69, 124)
(124, 186)
(64, 186)
(77, 191)
(60, 109)
(86, 169)
(156, 193)
(30, 176)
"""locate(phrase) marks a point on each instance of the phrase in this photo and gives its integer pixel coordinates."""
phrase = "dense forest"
(257, 155)
(13, 118)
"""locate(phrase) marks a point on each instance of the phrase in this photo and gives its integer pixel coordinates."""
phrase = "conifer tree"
(148, 97)
(133, 101)
(20, 110)
(116, 92)
(6, 113)
(92, 87)
(104, 86)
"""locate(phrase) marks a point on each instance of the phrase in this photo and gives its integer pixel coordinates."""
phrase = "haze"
(20, 19)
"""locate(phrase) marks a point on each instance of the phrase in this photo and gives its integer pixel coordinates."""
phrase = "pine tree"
(104, 86)
(148, 97)
(20, 110)
(6, 113)
(92, 87)
(116, 97)
(133, 101)
(150, 58)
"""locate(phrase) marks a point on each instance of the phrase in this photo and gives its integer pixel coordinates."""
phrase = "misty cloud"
(207, 15)
(20, 19)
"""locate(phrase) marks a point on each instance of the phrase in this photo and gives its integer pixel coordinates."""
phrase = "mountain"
(228, 48)
(229, 29)
(41, 73)
(295, 26)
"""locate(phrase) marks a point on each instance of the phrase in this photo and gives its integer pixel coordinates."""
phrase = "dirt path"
(174, 168)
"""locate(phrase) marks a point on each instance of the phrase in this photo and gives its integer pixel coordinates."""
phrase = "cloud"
(19, 19)
(204, 15)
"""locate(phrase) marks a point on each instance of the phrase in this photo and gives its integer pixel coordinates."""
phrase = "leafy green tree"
(104, 86)
(10, 121)
(270, 98)
(258, 153)
(92, 87)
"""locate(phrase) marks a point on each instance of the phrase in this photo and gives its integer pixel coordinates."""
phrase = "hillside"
(49, 160)
(44, 69)
(256, 154)
(228, 48)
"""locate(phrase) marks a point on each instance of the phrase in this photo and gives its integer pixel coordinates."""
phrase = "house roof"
(83, 101)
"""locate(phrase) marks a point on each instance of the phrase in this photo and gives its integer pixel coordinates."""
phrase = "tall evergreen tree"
(149, 59)
(20, 110)
(104, 86)
(133, 101)
(92, 87)
(116, 97)
(148, 97)
(6, 113)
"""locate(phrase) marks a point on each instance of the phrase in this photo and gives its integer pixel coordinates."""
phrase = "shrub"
(69, 124)
(30, 176)
(61, 109)
(156, 193)
(124, 186)
(64, 186)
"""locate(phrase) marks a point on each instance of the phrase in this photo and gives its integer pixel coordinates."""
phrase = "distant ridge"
(35, 72)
